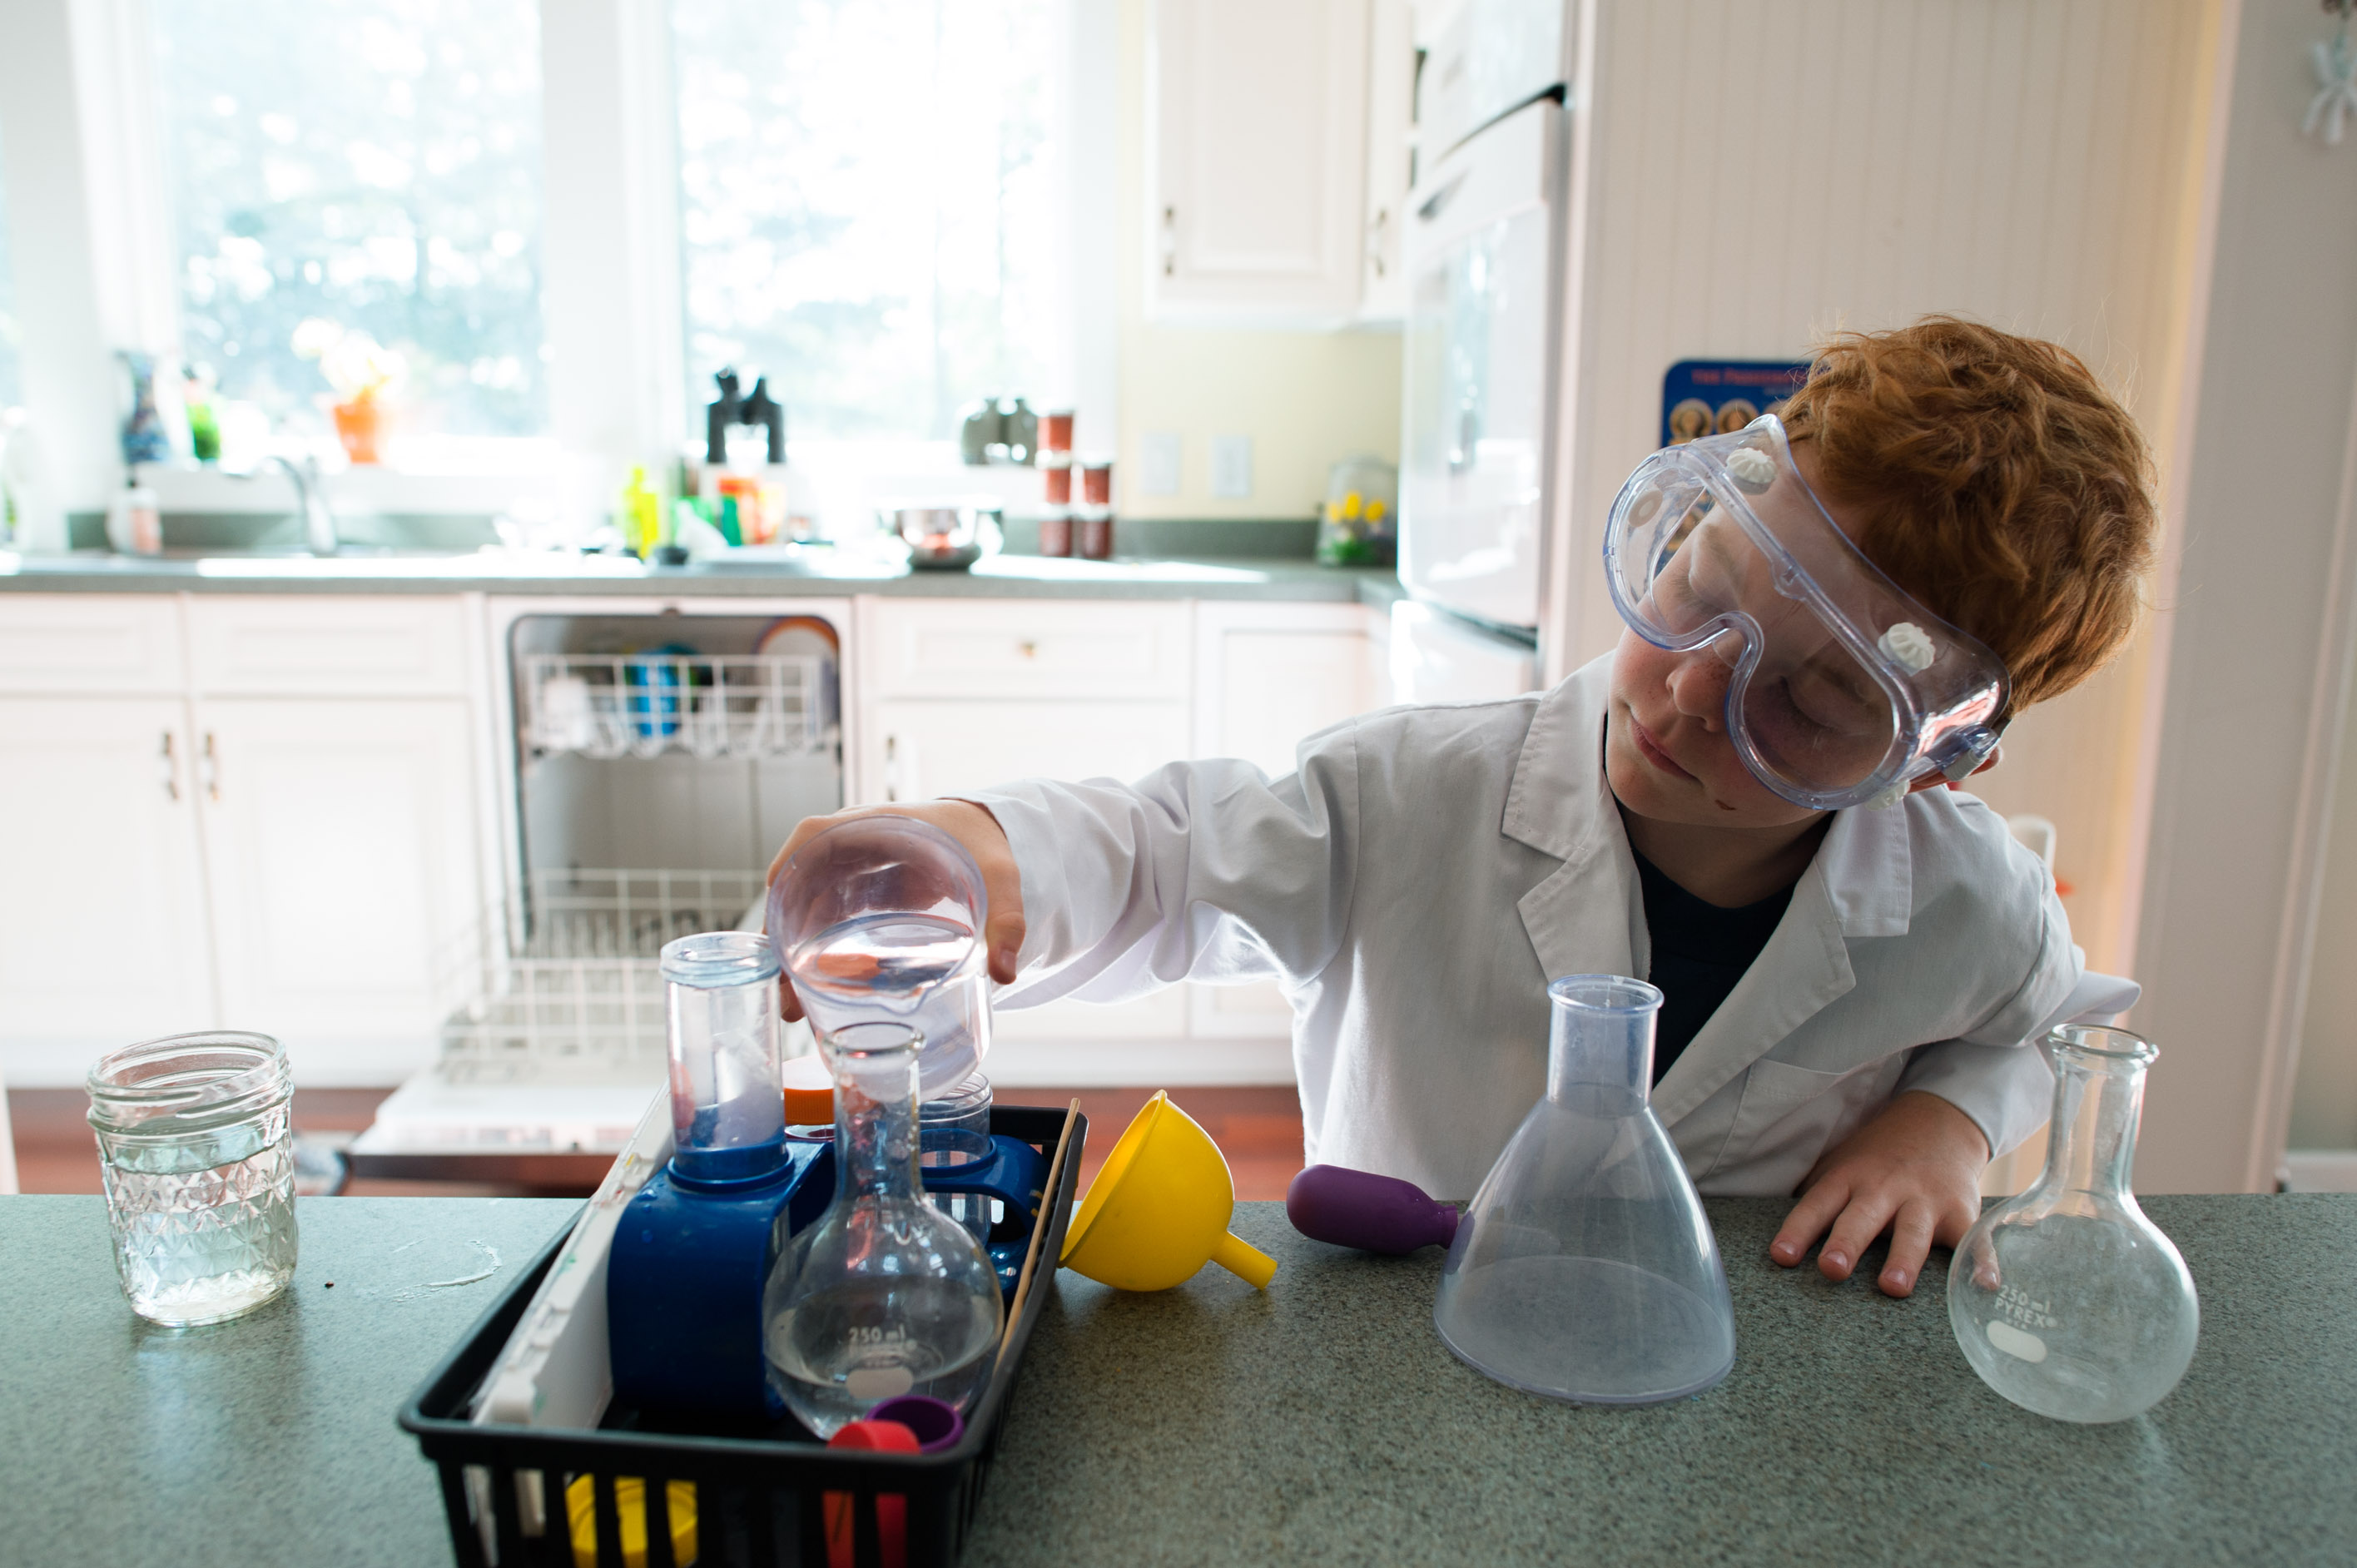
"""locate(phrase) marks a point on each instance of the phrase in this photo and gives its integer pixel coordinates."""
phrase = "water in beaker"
(727, 1109)
(879, 920)
(1585, 1269)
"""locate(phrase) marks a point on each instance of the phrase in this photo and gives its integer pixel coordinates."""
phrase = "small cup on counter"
(1056, 533)
(1096, 533)
(1056, 432)
(1096, 481)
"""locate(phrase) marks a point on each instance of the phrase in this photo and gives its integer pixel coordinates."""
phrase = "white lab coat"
(1427, 870)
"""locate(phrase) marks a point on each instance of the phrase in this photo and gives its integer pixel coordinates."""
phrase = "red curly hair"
(1995, 481)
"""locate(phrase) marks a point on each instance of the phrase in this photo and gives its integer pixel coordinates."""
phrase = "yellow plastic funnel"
(1158, 1210)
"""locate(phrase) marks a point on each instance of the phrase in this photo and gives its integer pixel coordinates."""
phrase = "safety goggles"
(1843, 688)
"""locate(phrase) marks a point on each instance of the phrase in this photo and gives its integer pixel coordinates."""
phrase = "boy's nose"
(1698, 688)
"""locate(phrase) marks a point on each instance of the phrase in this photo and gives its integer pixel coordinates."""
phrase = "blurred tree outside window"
(368, 166)
(12, 377)
(872, 206)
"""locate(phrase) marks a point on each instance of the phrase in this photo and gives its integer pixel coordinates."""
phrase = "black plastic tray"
(758, 1492)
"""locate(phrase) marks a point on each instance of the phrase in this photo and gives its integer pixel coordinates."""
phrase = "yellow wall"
(1307, 399)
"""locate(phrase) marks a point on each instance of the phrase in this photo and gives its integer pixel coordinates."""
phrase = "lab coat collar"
(1590, 915)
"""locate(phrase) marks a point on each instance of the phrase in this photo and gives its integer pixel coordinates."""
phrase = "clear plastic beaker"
(199, 1169)
(879, 920)
(886, 1296)
(2066, 1299)
(727, 1109)
(1583, 1269)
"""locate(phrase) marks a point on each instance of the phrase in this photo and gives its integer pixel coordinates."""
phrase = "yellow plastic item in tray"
(1158, 1210)
(631, 1507)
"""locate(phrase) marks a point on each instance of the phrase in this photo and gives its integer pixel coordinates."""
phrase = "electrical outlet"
(1232, 478)
(1158, 463)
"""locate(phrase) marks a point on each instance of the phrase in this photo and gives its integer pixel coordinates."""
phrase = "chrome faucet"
(310, 494)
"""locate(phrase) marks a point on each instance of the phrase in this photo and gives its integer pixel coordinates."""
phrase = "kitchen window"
(564, 220)
(355, 192)
(872, 199)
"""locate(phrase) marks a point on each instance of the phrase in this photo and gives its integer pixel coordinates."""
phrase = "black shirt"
(1700, 951)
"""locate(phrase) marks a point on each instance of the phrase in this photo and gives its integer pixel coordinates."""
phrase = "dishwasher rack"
(561, 984)
(705, 704)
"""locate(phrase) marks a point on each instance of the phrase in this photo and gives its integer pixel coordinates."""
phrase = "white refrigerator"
(1485, 260)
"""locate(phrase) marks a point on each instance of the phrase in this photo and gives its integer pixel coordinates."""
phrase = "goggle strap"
(1969, 749)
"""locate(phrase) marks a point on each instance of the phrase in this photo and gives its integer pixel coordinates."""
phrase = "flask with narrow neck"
(1583, 1269)
(2066, 1299)
(886, 1296)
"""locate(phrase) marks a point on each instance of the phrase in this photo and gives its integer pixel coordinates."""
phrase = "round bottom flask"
(1585, 1269)
(886, 1296)
(2067, 1300)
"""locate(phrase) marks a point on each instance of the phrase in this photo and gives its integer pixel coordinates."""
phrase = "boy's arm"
(1200, 870)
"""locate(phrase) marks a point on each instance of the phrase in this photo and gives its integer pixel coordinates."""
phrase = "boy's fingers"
(1910, 1243)
(1859, 1224)
(1004, 935)
(1808, 1221)
(790, 1006)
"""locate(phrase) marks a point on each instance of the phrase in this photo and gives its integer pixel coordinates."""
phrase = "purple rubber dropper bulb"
(1374, 1213)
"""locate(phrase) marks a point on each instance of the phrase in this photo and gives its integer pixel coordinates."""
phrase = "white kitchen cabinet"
(1256, 129)
(341, 839)
(1391, 110)
(103, 935)
(241, 811)
(945, 747)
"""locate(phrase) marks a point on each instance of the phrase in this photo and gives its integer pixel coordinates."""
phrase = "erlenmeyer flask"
(880, 918)
(1585, 1268)
(886, 1296)
(2067, 1300)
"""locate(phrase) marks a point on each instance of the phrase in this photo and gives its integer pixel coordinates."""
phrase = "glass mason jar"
(200, 1166)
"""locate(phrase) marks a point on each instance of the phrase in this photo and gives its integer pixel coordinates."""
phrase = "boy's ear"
(1934, 780)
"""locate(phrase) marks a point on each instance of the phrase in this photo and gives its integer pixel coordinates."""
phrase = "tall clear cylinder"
(727, 1109)
(1585, 1269)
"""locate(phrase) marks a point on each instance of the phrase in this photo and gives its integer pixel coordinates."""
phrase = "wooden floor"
(1258, 1128)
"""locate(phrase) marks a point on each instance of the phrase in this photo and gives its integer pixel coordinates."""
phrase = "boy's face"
(1666, 750)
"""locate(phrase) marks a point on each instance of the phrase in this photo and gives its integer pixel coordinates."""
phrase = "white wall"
(1752, 176)
(2258, 631)
(1307, 399)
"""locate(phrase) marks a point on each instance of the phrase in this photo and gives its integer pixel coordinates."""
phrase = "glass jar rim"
(713, 961)
(180, 1078)
(2102, 1042)
(872, 1039)
(1605, 993)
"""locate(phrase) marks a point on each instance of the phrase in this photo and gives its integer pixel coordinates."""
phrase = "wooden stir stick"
(1038, 1228)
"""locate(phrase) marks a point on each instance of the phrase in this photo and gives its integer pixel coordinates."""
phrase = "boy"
(1828, 619)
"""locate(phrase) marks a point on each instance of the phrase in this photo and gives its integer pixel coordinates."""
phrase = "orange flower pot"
(360, 425)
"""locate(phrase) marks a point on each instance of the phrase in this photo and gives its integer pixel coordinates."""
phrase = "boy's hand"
(979, 833)
(1915, 1169)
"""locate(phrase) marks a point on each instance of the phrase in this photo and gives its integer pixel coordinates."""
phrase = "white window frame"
(91, 238)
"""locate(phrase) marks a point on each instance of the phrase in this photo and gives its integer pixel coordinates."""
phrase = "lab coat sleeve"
(1995, 1074)
(1206, 871)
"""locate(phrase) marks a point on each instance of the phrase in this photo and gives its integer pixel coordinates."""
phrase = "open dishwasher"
(657, 754)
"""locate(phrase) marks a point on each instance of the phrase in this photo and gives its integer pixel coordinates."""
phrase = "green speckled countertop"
(1321, 1422)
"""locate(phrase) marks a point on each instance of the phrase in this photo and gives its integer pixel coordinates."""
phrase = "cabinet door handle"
(1378, 238)
(891, 768)
(170, 769)
(1169, 242)
(212, 771)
